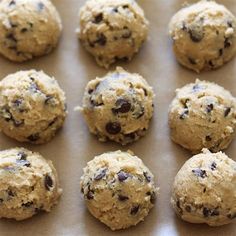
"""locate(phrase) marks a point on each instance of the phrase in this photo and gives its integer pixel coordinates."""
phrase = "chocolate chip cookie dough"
(28, 28)
(118, 106)
(28, 184)
(32, 106)
(203, 114)
(204, 35)
(204, 189)
(112, 30)
(119, 189)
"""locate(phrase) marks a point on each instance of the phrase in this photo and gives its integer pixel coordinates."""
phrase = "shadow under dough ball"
(204, 35)
(118, 189)
(28, 28)
(118, 106)
(204, 189)
(112, 30)
(28, 184)
(203, 115)
(32, 106)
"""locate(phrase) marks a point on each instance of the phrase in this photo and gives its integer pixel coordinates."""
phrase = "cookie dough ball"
(28, 28)
(28, 184)
(32, 106)
(119, 189)
(204, 189)
(118, 106)
(204, 35)
(203, 115)
(111, 30)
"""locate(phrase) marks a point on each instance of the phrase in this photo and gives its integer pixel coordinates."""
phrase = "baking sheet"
(73, 146)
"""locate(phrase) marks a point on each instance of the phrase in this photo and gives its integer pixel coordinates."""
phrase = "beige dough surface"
(118, 106)
(119, 189)
(111, 30)
(28, 28)
(28, 184)
(204, 35)
(203, 115)
(204, 189)
(32, 106)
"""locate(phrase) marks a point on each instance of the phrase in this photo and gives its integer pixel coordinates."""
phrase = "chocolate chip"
(127, 33)
(113, 128)
(227, 43)
(206, 212)
(34, 88)
(90, 195)
(184, 114)
(211, 63)
(139, 113)
(215, 212)
(200, 173)
(197, 88)
(23, 30)
(48, 182)
(90, 91)
(227, 111)
(101, 40)
(23, 163)
(134, 210)
(213, 165)
(208, 138)
(27, 205)
(196, 35)
(18, 102)
(22, 155)
(11, 3)
(121, 59)
(145, 92)
(192, 61)
(100, 175)
(147, 177)
(10, 193)
(33, 137)
(40, 6)
(98, 18)
(122, 106)
(230, 24)
(221, 52)
(204, 190)
(152, 197)
(11, 37)
(122, 176)
(17, 123)
(178, 204)
(123, 198)
(209, 108)
(49, 99)
(1, 200)
(188, 208)
(125, 6)
(231, 216)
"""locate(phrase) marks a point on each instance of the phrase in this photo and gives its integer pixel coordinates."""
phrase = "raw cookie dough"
(204, 189)
(28, 28)
(119, 189)
(204, 35)
(203, 114)
(32, 106)
(118, 106)
(28, 184)
(111, 30)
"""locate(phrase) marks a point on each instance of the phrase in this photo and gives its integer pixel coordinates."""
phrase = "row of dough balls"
(204, 34)
(118, 189)
(117, 107)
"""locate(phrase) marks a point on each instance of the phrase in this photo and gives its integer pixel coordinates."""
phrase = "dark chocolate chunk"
(123, 198)
(122, 106)
(33, 137)
(113, 128)
(22, 155)
(101, 174)
(188, 208)
(127, 33)
(208, 138)
(27, 204)
(101, 40)
(90, 195)
(98, 18)
(196, 35)
(184, 28)
(209, 108)
(48, 182)
(184, 114)
(147, 177)
(40, 6)
(192, 61)
(227, 43)
(213, 165)
(227, 111)
(122, 176)
(134, 210)
(206, 212)
(125, 6)
(200, 173)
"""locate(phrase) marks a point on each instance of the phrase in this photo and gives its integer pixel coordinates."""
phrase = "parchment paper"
(73, 146)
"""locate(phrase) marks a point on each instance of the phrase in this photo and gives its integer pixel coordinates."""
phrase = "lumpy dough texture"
(118, 106)
(28, 28)
(204, 35)
(202, 115)
(28, 184)
(111, 30)
(32, 106)
(204, 189)
(118, 189)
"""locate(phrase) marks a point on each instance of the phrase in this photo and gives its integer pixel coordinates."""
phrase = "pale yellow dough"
(111, 30)
(28, 184)
(28, 28)
(118, 106)
(32, 106)
(119, 189)
(204, 189)
(204, 35)
(203, 115)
